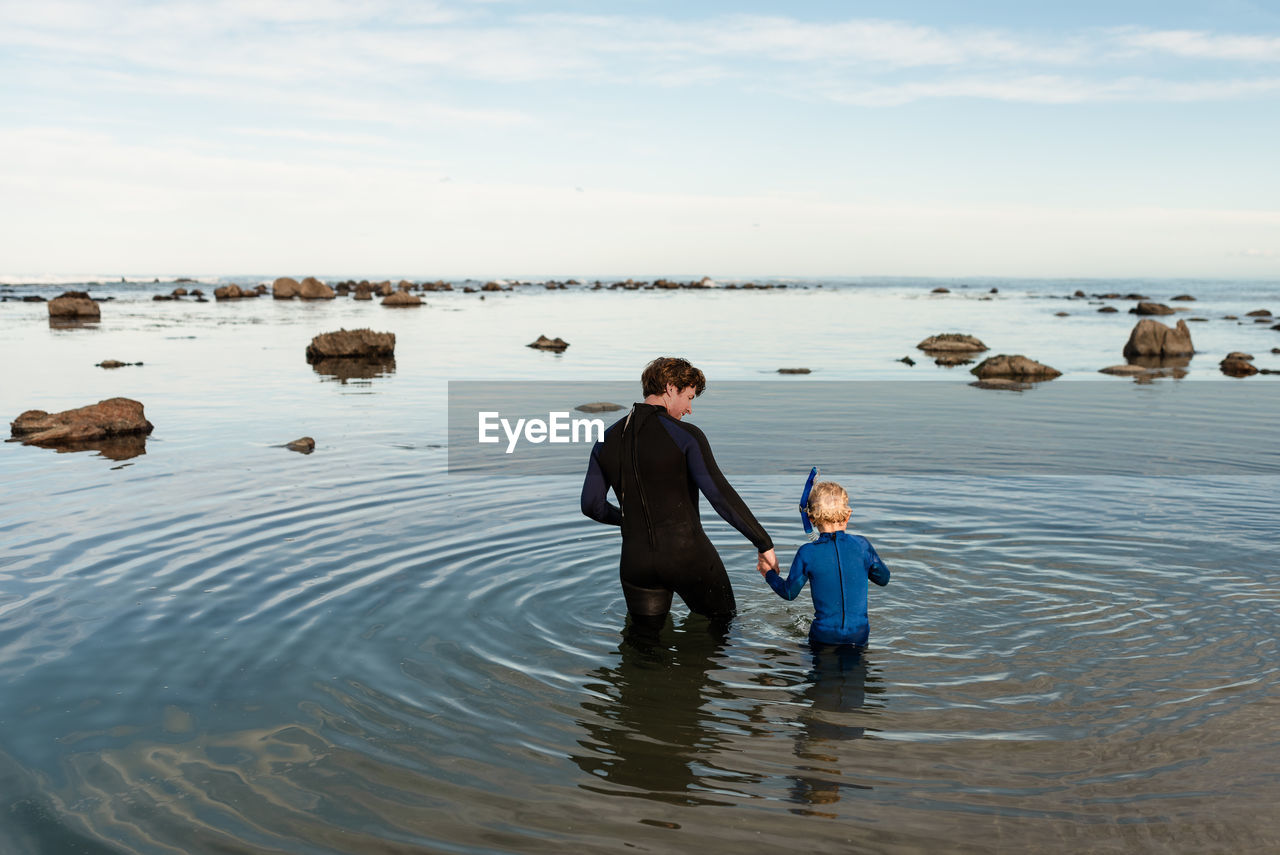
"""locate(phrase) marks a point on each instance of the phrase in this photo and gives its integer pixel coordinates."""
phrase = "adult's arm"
(795, 580)
(595, 493)
(709, 479)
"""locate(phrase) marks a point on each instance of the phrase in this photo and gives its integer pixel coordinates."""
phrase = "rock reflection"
(343, 369)
(836, 687)
(649, 734)
(123, 447)
(1160, 366)
(74, 323)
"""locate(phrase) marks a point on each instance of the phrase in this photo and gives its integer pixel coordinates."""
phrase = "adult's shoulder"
(678, 427)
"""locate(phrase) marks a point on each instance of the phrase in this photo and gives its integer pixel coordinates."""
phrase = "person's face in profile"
(679, 403)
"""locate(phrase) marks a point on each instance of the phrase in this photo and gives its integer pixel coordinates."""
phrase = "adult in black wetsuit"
(656, 465)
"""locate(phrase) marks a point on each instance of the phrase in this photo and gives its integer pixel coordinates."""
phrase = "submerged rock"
(557, 345)
(794, 371)
(115, 363)
(1145, 308)
(951, 343)
(74, 304)
(1108, 309)
(599, 407)
(1015, 367)
(1152, 338)
(303, 445)
(112, 417)
(1258, 313)
(1182, 298)
(351, 344)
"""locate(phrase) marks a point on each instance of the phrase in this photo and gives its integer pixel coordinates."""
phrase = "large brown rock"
(951, 343)
(285, 288)
(74, 304)
(1013, 367)
(1145, 308)
(313, 289)
(351, 344)
(402, 298)
(228, 292)
(112, 417)
(1152, 338)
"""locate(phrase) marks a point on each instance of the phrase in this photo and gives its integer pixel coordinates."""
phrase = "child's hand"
(766, 561)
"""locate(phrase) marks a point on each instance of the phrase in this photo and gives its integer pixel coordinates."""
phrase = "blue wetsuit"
(838, 565)
(656, 466)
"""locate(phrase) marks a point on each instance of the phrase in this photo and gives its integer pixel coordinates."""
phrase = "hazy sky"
(541, 139)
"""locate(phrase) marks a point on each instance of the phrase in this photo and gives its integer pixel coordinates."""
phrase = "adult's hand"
(767, 561)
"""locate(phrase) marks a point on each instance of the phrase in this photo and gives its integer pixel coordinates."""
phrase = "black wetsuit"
(656, 465)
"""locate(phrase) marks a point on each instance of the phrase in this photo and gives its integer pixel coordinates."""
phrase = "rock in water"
(951, 343)
(1152, 338)
(402, 298)
(1238, 364)
(793, 371)
(1013, 367)
(285, 288)
(599, 407)
(112, 417)
(74, 304)
(554, 344)
(351, 344)
(304, 445)
(313, 289)
(1145, 308)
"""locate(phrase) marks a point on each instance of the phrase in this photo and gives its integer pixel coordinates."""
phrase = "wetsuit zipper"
(840, 576)
(635, 470)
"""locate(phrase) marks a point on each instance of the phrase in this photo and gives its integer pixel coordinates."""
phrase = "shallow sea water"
(224, 646)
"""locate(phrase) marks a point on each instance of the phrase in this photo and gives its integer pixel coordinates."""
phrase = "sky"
(547, 139)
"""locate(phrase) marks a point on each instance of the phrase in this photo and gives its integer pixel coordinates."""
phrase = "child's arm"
(796, 578)
(876, 571)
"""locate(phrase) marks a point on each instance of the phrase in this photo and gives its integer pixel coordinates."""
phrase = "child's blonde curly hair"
(828, 503)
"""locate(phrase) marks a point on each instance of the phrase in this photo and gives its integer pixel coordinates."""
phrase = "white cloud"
(1201, 45)
(410, 46)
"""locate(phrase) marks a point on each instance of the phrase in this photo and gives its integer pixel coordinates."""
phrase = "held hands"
(767, 561)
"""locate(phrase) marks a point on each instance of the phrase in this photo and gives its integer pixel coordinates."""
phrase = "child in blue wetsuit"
(837, 565)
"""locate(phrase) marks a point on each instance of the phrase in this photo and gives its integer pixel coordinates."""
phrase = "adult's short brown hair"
(671, 371)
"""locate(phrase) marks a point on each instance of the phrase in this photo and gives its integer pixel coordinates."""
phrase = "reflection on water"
(649, 734)
(835, 691)
(343, 369)
(124, 447)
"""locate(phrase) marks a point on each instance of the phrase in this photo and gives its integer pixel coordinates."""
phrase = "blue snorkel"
(804, 503)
